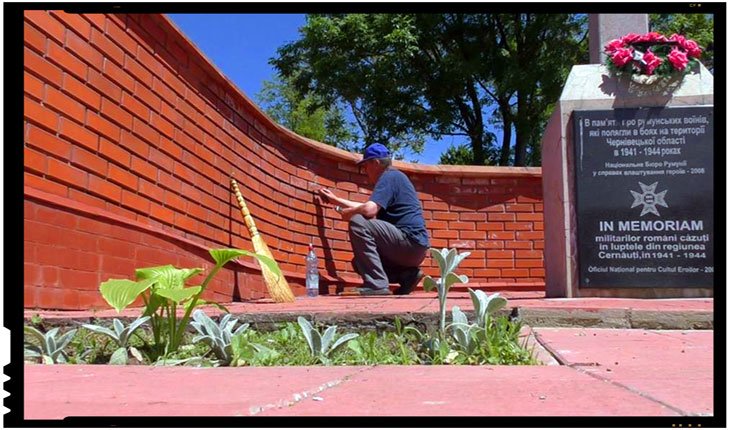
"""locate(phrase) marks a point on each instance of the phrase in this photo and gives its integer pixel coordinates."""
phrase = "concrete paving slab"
(58, 391)
(671, 367)
(474, 391)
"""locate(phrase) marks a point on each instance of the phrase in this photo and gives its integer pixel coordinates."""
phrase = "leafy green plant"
(448, 261)
(121, 336)
(163, 289)
(49, 349)
(462, 331)
(319, 345)
(217, 336)
(244, 352)
(485, 305)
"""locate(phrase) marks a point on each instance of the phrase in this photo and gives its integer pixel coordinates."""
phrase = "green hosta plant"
(163, 290)
(448, 261)
(217, 336)
(50, 350)
(121, 336)
(319, 345)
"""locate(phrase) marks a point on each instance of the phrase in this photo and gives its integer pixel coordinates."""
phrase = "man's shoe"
(365, 291)
(409, 285)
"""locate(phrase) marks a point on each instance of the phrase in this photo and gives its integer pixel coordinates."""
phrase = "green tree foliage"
(300, 113)
(696, 26)
(407, 76)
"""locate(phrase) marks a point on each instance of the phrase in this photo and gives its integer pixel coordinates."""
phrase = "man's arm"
(349, 208)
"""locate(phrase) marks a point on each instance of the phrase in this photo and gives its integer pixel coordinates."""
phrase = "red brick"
(185, 223)
(528, 263)
(121, 266)
(114, 152)
(528, 254)
(151, 190)
(162, 213)
(516, 273)
(121, 38)
(151, 62)
(119, 76)
(32, 86)
(102, 126)
(538, 273)
(40, 232)
(529, 216)
(68, 62)
(66, 257)
(83, 50)
(66, 174)
(148, 97)
(135, 107)
(88, 161)
(134, 144)
(456, 225)
(501, 217)
(487, 273)
(64, 105)
(171, 183)
(96, 19)
(518, 226)
(163, 125)
(143, 168)
(42, 184)
(113, 112)
(78, 240)
(46, 24)
(538, 226)
(441, 234)
(500, 254)
(490, 226)
(73, 22)
(122, 177)
(478, 235)
(116, 248)
(518, 245)
(34, 161)
(146, 132)
(161, 159)
(34, 39)
(519, 208)
(78, 280)
(509, 263)
(142, 74)
(501, 235)
(78, 134)
(42, 68)
(93, 226)
(448, 216)
(109, 48)
(86, 198)
(76, 89)
(529, 235)
(38, 114)
(106, 87)
(135, 201)
(472, 216)
(184, 173)
(31, 274)
(104, 188)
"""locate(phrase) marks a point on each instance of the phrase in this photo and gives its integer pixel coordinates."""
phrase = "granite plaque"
(644, 197)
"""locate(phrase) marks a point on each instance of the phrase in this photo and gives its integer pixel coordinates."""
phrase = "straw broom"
(277, 285)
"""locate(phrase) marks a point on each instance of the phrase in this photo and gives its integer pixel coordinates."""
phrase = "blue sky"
(240, 45)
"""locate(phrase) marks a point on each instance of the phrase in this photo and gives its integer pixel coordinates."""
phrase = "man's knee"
(357, 223)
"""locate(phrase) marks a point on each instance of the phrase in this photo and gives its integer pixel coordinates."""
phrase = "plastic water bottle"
(312, 273)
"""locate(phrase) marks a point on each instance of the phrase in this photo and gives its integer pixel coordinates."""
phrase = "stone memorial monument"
(628, 181)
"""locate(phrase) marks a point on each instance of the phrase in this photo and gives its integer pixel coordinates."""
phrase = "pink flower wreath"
(652, 53)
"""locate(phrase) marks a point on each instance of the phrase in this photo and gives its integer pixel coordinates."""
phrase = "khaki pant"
(383, 253)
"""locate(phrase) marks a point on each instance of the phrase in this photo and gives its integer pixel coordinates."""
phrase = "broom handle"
(253, 231)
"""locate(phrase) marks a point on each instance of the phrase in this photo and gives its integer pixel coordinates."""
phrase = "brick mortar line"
(298, 397)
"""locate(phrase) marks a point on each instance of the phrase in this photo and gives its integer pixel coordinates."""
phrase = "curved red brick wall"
(131, 135)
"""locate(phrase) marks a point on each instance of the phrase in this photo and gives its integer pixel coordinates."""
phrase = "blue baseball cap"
(376, 150)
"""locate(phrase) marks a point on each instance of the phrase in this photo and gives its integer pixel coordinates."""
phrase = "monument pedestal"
(634, 242)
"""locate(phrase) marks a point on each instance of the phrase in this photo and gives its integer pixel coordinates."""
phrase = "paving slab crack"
(579, 367)
(299, 396)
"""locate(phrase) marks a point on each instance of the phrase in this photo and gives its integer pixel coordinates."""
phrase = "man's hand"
(326, 195)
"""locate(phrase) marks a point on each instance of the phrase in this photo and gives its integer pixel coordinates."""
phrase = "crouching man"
(387, 233)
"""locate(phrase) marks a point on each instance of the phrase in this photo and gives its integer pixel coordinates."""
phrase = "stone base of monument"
(628, 187)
